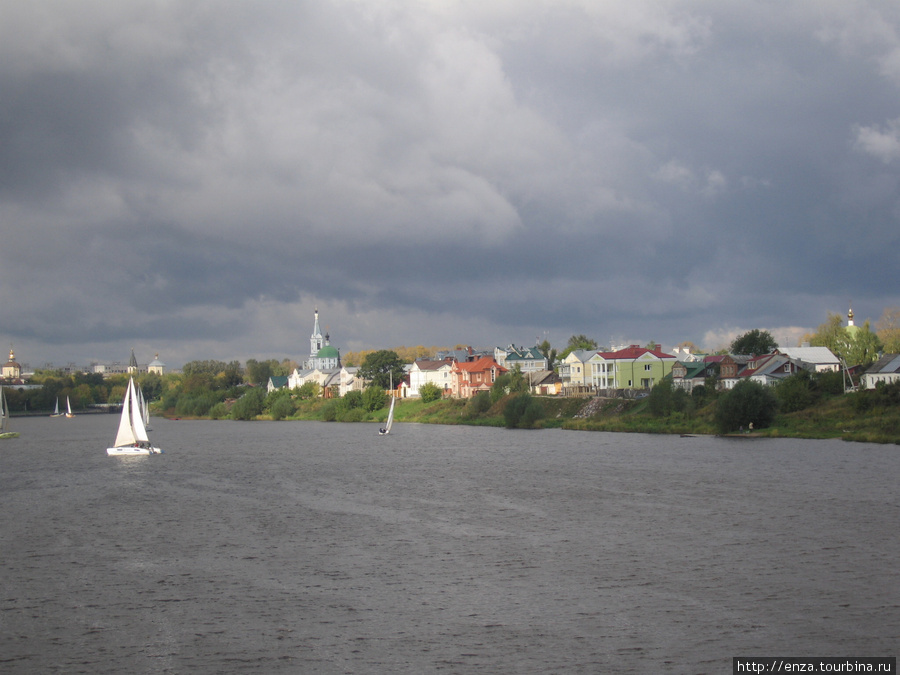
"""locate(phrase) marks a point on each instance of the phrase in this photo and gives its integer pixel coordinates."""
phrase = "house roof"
(693, 368)
(278, 381)
(889, 363)
(482, 364)
(581, 355)
(514, 353)
(544, 377)
(816, 355)
(635, 352)
(425, 364)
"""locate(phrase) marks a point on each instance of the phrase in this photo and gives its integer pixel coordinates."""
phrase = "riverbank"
(841, 417)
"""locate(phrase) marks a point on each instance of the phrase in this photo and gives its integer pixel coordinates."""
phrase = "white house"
(572, 368)
(439, 373)
(885, 370)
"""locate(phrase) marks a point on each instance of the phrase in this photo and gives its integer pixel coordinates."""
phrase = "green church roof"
(328, 352)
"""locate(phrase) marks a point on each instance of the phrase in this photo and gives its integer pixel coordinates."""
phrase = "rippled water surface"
(295, 547)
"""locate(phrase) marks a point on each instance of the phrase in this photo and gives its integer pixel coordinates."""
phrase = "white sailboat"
(131, 439)
(386, 429)
(4, 418)
(69, 412)
(56, 412)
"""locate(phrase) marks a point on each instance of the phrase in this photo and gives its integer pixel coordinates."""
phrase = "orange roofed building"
(470, 377)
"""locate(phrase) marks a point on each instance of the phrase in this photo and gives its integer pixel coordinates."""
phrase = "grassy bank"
(840, 417)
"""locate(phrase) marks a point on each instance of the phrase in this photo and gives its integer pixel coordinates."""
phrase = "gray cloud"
(194, 179)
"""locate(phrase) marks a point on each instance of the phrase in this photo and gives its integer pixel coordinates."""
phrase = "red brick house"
(470, 377)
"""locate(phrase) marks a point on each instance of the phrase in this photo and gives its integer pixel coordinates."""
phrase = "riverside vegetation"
(806, 405)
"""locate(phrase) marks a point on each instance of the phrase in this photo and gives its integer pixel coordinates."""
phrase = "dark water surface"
(300, 547)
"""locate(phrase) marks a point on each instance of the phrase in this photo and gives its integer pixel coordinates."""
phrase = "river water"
(300, 547)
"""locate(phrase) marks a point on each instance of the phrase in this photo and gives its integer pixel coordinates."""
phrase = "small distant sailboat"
(131, 439)
(56, 412)
(386, 429)
(69, 412)
(4, 418)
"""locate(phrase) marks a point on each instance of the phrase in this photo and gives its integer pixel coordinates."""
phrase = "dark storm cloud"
(196, 178)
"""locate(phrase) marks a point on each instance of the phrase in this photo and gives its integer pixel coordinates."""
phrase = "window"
(648, 366)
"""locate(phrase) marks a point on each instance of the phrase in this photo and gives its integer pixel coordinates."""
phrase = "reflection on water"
(298, 547)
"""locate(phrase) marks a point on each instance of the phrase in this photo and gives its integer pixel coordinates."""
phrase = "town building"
(322, 355)
(438, 373)
(528, 359)
(886, 370)
(473, 377)
(156, 366)
(11, 370)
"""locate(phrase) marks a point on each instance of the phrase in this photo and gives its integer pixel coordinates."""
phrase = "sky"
(192, 178)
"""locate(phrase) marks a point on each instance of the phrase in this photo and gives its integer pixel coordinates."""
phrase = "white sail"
(137, 416)
(4, 412)
(145, 407)
(125, 435)
(69, 408)
(390, 419)
(56, 409)
(386, 429)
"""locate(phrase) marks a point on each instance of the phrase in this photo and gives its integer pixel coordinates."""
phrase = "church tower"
(316, 341)
(851, 328)
(321, 354)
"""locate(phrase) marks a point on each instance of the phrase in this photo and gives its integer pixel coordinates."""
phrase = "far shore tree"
(754, 342)
(382, 369)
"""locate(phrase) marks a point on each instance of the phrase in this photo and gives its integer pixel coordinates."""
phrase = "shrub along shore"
(865, 416)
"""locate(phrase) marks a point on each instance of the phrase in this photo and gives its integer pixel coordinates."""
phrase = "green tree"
(888, 330)
(747, 403)
(863, 347)
(231, 376)
(308, 390)
(374, 398)
(283, 407)
(856, 346)
(796, 392)
(511, 382)
(578, 342)
(209, 367)
(248, 406)
(430, 392)
(522, 412)
(382, 369)
(549, 353)
(352, 399)
(151, 385)
(754, 342)
(259, 372)
(479, 404)
(662, 398)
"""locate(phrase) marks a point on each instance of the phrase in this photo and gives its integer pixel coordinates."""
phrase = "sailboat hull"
(132, 451)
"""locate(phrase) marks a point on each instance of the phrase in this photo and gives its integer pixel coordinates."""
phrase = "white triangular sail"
(137, 416)
(390, 419)
(69, 408)
(4, 412)
(56, 409)
(145, 407)
(386, 429)
(125, 435)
